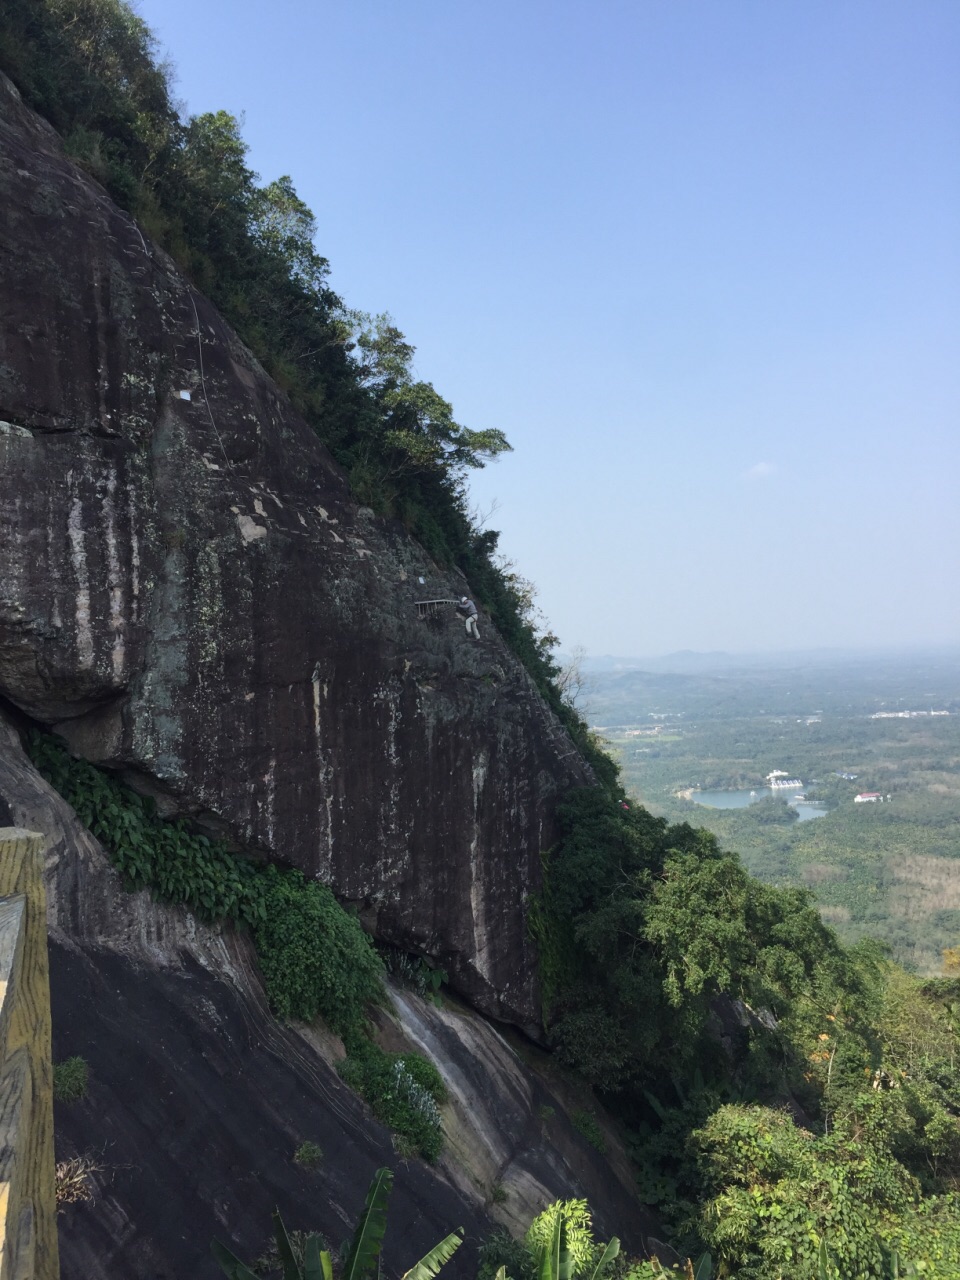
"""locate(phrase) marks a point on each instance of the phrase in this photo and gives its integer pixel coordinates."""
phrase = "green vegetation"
(415, 972)
(567, 1223)
(585, 1122)
(70, 1079)
(363, 1252)
(315, 958)
(308, 1155)
(836, 1063)
(778, 1190)
(270, 1263)
(558, 1245)
(880, 870)
(403, 1089)
(500, 1254)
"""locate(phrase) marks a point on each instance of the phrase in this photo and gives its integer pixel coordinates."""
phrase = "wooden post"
(28, 1211)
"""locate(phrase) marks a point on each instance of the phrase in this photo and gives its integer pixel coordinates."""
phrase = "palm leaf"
(430, 1263)
(501, 1274)
(230, 1264)
(291, 1270)
(608, 1255)
(368, 1237)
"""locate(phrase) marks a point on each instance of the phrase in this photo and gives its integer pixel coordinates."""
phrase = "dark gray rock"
(189, 594)
(198, 1098)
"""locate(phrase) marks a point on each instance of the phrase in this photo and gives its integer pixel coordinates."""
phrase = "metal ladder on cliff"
(430, 608)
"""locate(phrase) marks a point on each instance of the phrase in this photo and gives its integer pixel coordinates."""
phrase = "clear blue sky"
(700, 260)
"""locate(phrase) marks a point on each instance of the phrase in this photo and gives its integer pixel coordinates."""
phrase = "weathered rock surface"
(198, 1097)
(190, 595)
(509, 1121)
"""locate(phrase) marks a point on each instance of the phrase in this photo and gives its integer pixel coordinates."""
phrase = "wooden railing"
(28, 1211)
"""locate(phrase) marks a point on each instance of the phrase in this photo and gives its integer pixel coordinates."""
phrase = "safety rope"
(203, 384)
(196, 317)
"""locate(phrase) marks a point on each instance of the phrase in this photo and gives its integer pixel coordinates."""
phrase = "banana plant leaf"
(608, 1255)
(291, 1270)
(230, 1264)
(430, 1263)
(555, 1261)
(704, 1268)
(317, 1264)
(364, 1256)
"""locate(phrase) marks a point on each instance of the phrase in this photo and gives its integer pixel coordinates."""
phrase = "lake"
(740, 800)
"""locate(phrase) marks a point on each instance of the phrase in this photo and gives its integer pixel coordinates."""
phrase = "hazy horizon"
(938, 660)
(949, 647)
(700, 263)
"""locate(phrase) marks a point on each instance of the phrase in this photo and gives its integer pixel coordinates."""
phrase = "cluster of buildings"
(777, 780)
(905, 715)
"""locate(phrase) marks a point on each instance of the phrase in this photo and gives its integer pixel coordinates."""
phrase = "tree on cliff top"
(418, 427)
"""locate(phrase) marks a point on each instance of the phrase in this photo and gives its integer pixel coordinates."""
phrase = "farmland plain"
(889, 869)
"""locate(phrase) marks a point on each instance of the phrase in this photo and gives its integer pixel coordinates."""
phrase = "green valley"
(886, 869)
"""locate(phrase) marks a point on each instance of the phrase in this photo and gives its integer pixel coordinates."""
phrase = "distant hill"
(716, 661)
(619, 691)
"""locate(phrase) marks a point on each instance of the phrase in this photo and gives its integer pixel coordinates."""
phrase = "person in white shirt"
(469, 611)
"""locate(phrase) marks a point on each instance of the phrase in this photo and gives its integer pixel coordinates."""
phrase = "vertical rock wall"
(198, 1098)
(189, 594)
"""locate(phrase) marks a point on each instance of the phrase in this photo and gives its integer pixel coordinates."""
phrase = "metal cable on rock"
(203, 384)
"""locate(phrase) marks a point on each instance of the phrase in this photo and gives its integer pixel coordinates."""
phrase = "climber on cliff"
(469, 611)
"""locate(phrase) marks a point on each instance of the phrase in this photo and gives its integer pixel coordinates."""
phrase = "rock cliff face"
(198, 1098)
(190, 595)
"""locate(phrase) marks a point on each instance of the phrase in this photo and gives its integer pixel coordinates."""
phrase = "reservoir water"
(740, 800)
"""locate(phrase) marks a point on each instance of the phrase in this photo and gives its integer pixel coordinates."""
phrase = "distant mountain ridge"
(712, 662)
